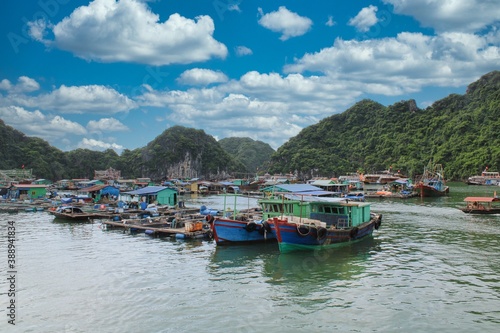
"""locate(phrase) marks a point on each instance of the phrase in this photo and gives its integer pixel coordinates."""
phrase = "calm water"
(429, 268)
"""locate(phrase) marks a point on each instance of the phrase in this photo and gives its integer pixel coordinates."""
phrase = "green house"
(160, 194)
(28, 191)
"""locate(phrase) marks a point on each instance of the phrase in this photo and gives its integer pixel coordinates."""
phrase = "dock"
(157, 228)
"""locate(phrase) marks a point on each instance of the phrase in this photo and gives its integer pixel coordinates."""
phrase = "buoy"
(180, 236)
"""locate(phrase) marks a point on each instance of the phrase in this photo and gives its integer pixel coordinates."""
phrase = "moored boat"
(432, 182)
(233, 231)
(486, 178)
(73, 213)
(330, 224)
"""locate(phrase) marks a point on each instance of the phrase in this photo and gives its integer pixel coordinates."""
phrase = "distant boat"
(432, 182)
(486, 178)
(330, 225)
(481, 205)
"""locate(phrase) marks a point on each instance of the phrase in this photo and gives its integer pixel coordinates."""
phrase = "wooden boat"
(432, 182)
(330, 225)
(260, 227)
(73, 213)
(233, 231)
(481, 205)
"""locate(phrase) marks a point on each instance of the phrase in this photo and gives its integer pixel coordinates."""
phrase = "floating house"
(98, 192)
(331, 185)
(27, 191)
(299, 189)
(156, 194)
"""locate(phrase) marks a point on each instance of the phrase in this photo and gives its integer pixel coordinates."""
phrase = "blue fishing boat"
(330, 224)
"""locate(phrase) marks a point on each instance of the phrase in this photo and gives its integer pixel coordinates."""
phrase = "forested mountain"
(186, 153)
(253, 154)
(177, 152)
(461, 132)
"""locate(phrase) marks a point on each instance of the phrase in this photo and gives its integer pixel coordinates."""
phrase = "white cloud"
(201, 76)
(35, 123)
(403, 64)
(75, 99)
(243, 51)
(127, 31)
(262, 106)
(24, 84)
(288, 23)
(98, 145)
(330, 22)
(106, 125)
(450, 15)
(365, 19)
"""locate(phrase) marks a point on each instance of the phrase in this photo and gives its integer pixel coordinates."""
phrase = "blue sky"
(115, 74)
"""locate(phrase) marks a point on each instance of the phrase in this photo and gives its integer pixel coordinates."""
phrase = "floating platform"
(189, 230)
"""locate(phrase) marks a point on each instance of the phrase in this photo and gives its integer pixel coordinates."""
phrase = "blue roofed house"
(300, 189)
(100, 192)
(161, 195)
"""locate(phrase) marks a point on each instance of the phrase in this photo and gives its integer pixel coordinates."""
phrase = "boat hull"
(481, 211)
(429, 191)
(227, 231)
(296, 237)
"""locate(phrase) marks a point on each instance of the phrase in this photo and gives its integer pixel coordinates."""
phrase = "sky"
(115, 74)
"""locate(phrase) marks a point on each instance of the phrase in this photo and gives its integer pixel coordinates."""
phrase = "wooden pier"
(163, 229)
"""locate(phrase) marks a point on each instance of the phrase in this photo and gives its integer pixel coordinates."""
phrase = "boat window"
(327, 210)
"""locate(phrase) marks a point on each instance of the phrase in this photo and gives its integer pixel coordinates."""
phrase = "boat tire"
(321, 233)
(251, 226)
(378, 222)
(303, 230)
(266, 226)
(209, 218)
(354, 232)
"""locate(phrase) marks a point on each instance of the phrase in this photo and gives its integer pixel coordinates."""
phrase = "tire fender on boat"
(209, 218)
(321, 233)
(378, 222)
(303, 229)
(354, 232)
(266, 226)
(251, 226)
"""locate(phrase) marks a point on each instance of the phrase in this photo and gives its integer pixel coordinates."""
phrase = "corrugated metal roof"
(147, 190)
(298, 187)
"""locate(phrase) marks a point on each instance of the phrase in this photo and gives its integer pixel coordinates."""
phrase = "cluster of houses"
(109, 186)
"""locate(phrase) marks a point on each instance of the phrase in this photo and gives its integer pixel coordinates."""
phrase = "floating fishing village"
(320, 213)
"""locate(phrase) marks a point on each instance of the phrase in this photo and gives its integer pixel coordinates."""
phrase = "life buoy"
(251, 226)
(354, 232)
(321, 233)
(303, 229)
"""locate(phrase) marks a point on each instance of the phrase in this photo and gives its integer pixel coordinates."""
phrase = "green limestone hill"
(177, 152)
(182, 152)
(461, 132)
(255, 155)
